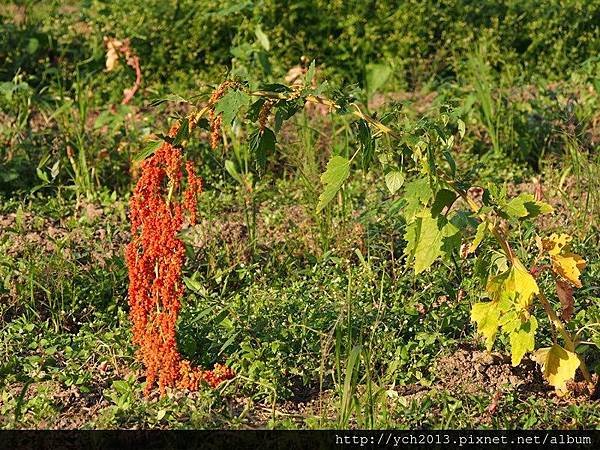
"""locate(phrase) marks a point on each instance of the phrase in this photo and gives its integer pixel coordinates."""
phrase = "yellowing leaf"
(569, 266)
(558, 365)
(555, 243)
(522, 340)
(516, 285)
(486, 316)
(564, 263)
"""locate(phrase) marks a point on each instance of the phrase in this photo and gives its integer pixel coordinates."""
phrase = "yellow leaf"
(486, 315)
(564, 263)
(555, 243)
(516, 285)
(569, 266)
(558, 365)
(522, 340)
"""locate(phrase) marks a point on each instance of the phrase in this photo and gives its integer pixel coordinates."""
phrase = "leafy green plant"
(438, 210)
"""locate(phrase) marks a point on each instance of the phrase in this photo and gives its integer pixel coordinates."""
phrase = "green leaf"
(444, 198)
(377, 75)
(285, 110)
(262, 144)
(231, 170)
(183, 133)
(525, 206)
(416, 193)
(338, 170)
(479, 236)
(432, 237)
(230, 104)
(366, 142)
(148, 150)
(254, 109)
(262, 38)
(394, 180)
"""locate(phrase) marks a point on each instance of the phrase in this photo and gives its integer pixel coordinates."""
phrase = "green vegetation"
(300, 275)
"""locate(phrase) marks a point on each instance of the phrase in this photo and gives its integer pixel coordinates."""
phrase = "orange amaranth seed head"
(216, 120)
(155, 258)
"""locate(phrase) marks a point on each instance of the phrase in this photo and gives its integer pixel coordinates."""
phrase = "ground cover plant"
(299, 221)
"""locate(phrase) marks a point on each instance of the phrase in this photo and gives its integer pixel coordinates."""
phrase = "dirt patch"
(472, 371)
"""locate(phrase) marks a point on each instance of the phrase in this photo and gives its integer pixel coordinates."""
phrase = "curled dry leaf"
(565, 295)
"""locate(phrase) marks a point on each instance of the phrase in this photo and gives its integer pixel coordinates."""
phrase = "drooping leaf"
(444, 198)
(365, 141)
(516, 286)
(564, 291)
(558, 365)
(337, 171)
(566, 264)
(148, 150)
(254, 109)
(183, 133)
(431, 236)
(394, 180)
(285, 110)
(231, 103)
(479, 236)
(486, 315)
(262, 144)
(522, 340)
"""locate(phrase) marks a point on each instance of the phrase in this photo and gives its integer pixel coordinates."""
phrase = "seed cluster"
(155, 258)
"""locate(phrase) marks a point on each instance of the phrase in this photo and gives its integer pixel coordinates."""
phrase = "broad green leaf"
(338, 170)
(486, 316)
(444, 198)
(416, 193)
(430, 236)
(394, 180)
(377, 75)
(231, 103)
(525, 206)
(558, 365)
(479, 236)
(522, 340)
